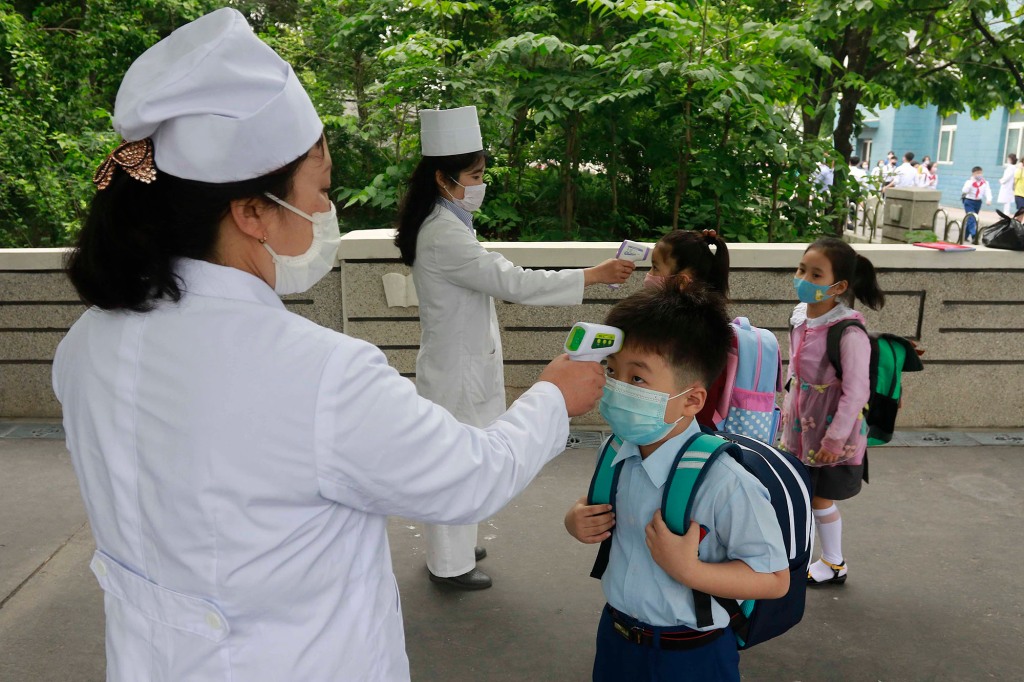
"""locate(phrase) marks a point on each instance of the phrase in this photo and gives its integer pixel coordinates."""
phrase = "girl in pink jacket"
(823, 418)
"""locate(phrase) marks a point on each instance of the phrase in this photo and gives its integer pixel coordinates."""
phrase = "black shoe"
(839, 573)
(480, 552)
(474, 580)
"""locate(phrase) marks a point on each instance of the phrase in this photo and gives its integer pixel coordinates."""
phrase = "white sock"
(830, 534)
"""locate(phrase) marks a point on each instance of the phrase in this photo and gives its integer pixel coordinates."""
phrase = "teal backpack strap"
(685, 477)
(602, 491)
(687, 473)
(602, 485)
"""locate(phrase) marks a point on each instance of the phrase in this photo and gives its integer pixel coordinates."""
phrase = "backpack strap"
(832, 344)
(688, 472)
(602, 491)
(748, 352)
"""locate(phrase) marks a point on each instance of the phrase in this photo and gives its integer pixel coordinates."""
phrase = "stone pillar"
(908, 208)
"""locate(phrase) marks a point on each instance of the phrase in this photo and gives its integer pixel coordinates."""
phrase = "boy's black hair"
(686, 325)
(854, 160)
(909, 156)
(976, 169)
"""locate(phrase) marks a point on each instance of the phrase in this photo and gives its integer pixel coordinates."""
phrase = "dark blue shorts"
(619, 660)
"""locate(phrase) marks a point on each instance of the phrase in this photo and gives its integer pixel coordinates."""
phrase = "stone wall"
(965, 309)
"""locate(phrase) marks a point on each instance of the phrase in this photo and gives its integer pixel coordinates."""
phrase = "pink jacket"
(820, 411)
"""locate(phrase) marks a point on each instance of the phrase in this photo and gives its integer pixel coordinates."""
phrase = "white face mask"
(474, 196)
(295, 274)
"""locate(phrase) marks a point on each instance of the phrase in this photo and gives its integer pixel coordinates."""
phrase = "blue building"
(958, 142)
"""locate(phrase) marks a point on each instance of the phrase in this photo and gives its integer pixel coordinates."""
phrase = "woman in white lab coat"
(1006, 186)
(237, 461)
(460, 362)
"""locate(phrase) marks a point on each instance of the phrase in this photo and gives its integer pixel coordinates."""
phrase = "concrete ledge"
(965, 309)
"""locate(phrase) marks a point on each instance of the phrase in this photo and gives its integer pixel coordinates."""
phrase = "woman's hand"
(612, 271)
(590, 523)
(581, 383)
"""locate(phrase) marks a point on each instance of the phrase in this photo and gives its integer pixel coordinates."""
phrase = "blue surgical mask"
(808, 292)
(636, 414)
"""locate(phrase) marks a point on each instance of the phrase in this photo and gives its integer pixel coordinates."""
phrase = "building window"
(1014, 136)
(947, 135)
(865, 154)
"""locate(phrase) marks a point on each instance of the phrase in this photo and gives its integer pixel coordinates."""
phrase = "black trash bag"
(1005, 234)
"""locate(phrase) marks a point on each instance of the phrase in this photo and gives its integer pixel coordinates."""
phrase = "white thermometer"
(590, 342)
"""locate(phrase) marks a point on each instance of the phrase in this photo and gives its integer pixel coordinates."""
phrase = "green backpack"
(891, 355)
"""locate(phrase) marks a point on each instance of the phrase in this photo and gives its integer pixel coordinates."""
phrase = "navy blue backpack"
(789, 487)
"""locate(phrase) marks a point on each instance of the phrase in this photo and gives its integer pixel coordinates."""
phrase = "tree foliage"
(605, 119)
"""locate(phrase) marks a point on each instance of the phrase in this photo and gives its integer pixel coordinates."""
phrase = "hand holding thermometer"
(632, 251)
(590, 342)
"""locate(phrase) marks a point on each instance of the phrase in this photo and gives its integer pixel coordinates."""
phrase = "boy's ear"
(693, 402)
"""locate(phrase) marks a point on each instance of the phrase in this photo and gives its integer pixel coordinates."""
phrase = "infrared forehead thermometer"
(591, 342)
(633, 252)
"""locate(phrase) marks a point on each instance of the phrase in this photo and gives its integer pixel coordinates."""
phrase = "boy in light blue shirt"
(676, 344)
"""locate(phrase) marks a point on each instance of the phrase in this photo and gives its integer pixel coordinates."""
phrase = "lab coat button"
(213, 620)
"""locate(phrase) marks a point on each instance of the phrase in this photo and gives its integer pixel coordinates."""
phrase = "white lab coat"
(1006, 186)
(460, 363)
(238, 463)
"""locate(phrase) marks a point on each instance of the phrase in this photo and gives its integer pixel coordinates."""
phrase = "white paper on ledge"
(399, 290)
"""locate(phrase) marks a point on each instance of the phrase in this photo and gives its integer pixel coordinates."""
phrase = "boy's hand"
(612, 271)
(676, 554)
(590, 523)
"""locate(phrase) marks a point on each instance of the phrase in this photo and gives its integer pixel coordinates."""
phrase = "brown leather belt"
(669, 639)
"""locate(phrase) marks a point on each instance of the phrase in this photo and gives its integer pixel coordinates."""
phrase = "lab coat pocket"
(482, 377)
(173, 609)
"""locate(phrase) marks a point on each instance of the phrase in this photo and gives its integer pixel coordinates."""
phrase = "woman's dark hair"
(1013, 159)
(857, 270)
(692, 250)
(125, 255)
(421, 193)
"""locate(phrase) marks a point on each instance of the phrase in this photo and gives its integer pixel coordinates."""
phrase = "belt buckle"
(636, 634)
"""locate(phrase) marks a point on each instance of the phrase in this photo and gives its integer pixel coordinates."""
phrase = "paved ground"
(935, 589)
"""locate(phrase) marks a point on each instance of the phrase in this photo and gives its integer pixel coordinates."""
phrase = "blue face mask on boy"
(636, 414)
(808, 292)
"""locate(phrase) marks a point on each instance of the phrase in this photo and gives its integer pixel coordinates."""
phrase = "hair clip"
(136, 158)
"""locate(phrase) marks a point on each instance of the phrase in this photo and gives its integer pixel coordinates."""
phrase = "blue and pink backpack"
(752, 377)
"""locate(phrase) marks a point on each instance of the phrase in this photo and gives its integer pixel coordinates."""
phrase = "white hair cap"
(219, 104)
(447, 132)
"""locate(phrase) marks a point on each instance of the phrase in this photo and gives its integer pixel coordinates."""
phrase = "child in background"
(823, 419)
(676, 342)
(688, 255)
(931, 175)
(973, 191)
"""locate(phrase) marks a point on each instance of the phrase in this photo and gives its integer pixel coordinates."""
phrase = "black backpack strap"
(604, 551)
(832, 344)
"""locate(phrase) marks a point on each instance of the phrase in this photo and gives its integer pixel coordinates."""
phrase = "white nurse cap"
(218, 103)
(446, 132)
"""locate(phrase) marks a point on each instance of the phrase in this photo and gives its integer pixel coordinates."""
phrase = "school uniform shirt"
(860, 175)
(238, 464)
(1018, 180)
(819, 411)
(905, 175)
(731, 503)
(976, 189)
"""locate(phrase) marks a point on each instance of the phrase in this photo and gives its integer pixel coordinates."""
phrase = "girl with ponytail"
(689, 255)
(822, 417)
